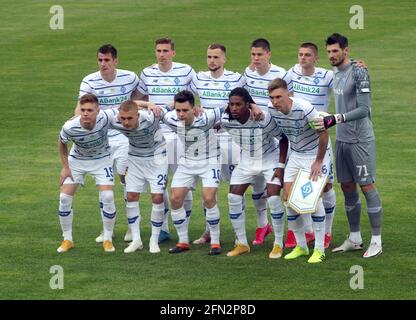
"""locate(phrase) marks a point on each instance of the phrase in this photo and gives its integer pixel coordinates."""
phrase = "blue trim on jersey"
(312, 75)
(107, 155)
(166, 76)
(111, 86)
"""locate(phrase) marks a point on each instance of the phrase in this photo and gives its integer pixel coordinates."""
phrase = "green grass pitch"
(40, 73)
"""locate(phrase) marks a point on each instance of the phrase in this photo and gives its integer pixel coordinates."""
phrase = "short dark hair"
(337, 38)
(165, 41)
(261, 43)
(310, 45)
(277, 84)
(108, 48)
(88, 98)
(184, 96)
(127, 106)
(217, 46)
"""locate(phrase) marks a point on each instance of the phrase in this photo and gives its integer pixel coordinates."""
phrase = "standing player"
(259, 157)
(147, 162)
(308, 151)
(158, 84)
(200, 160)
(257, 77)
(354, 145)
(213, 87)
(313, 84)
(89, 155)
(112, 86)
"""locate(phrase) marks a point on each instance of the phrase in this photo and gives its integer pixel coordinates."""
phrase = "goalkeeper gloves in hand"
(326, 121)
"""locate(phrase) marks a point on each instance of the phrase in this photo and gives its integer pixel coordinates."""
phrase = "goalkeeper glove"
(332, 120)
(326, 120)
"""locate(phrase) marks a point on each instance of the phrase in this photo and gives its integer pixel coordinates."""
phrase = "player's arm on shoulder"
(137, 95)
(256, 112)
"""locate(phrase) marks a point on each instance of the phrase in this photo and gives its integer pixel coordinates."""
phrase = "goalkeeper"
(355, 144)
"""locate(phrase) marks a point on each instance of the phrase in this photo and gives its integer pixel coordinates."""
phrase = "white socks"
(66, 215)
(134, 218)
(235, 204)
(277, 212)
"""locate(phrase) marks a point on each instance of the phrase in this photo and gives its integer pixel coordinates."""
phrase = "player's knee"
(65, 199)
(348, 186)
(210, 200)
(132, 196)
(367, 188)
(234, 199)
(328, 187)
(175, 201)
(157, 198)
(107, 196)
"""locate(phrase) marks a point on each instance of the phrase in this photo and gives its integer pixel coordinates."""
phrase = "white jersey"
(295, 125)
(110, 94)
(314, 88)
(88, 144)
(161, 86)
(199, 140)
(213, 92)
(257, 84)
(146, 141)
(255, 138)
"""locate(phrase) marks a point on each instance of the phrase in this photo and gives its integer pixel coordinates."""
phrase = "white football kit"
(200, 157)
(111, 95)
(161, 88)
(90, 152)
(213, 92)
(147, 161)
(316, 89)
(259, 150)
(257, 84)
(303, 139)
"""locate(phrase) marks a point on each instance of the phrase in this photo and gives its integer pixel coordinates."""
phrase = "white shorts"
(141, 171)
(119, 148)
(186, 175)
(100, 169)
(303, 161)
(230, 155)
(245, 173)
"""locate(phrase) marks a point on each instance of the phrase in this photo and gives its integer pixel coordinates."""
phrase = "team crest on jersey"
(252, 82)
(316, 80)
(206, 84)
(297, 124)
(123, 89)
(226, 85)
(299, 78)
(155, 80)
(177, 81)
(101, 92)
